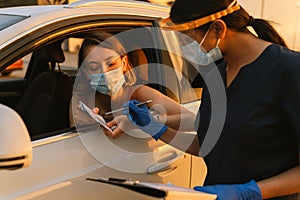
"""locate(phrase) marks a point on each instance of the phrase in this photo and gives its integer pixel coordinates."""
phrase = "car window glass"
(70, 48)
(8, 20)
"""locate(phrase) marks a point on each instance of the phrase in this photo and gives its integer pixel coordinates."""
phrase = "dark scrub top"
(262, 128)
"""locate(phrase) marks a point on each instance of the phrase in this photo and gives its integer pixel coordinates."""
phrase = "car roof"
(39, 16)
(100, 5)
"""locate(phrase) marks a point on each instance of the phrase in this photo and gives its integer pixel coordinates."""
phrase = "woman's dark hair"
(102, 39)
(106, 40)
(187, 10)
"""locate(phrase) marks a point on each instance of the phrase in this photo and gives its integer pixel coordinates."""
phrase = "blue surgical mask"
(193, 52)
(109, 82)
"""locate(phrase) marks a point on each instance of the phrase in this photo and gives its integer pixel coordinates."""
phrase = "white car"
(63, 156)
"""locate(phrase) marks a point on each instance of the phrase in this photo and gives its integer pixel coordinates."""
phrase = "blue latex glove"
(140, 116)
(247, 191)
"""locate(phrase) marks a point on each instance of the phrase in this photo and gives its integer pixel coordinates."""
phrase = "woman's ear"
(219, 28)
(125, 63)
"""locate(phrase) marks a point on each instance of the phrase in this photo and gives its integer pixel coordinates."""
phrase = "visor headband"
(168, 24)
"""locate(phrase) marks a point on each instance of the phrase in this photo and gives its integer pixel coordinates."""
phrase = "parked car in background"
(48, 38)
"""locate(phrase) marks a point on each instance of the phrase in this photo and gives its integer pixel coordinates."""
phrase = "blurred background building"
(8, 3)
(51, 2)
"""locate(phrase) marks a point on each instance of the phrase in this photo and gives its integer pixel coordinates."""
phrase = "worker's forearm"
(181, 122)
(283, 184)
(184, 141)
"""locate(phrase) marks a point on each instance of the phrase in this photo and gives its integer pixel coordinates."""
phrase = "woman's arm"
(285, 183)
(180, 122)
(184, 141)
(139, 115)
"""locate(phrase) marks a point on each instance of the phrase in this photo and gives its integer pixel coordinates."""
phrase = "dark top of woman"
(261, 132)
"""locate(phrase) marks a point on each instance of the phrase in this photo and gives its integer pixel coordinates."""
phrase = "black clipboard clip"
(132, 185)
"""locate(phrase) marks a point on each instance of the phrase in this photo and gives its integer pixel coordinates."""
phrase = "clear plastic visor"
(168, 24)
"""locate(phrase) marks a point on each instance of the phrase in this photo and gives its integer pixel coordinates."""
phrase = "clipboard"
(96, 117)
(132, 185)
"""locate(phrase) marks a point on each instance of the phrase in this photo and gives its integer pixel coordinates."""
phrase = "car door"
(64, 158)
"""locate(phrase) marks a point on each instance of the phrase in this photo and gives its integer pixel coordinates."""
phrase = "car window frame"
(45, 37)
(49, 32)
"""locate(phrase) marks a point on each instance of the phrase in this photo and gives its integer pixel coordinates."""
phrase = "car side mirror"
(15, 145)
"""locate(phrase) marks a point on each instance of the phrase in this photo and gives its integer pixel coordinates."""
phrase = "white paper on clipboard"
(96, 117)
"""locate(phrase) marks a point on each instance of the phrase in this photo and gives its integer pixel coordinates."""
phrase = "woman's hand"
(83, 118)
(119, 125)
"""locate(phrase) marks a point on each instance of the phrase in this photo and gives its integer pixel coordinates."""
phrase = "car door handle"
(167, 163)
(9, 94)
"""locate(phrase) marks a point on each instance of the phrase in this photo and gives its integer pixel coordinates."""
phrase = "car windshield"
(7, 20)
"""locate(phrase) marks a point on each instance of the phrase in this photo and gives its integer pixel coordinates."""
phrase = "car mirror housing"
(15, 145)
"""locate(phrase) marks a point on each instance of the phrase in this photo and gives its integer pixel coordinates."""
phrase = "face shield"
(168, 24)
(187, 34)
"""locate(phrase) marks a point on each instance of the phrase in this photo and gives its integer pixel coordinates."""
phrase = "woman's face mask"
(108, 83)
(194, 53)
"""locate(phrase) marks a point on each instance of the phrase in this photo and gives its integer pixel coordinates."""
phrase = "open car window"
(153, 63)
(46, 110)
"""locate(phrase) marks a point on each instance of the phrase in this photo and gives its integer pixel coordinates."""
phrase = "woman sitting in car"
(106, 80)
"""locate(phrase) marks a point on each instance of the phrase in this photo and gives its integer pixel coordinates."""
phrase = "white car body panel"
(61, 164)
(65, 159)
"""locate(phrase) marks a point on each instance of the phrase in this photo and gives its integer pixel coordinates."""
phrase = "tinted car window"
(8, 20)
